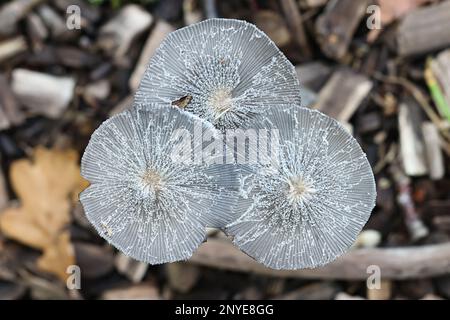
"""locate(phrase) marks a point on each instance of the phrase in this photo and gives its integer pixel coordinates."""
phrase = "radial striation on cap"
(306, 207)
(225, 71)
(144, 198)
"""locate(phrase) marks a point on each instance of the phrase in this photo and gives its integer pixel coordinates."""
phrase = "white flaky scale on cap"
(141, 200)
(307, 207)
(229, 69)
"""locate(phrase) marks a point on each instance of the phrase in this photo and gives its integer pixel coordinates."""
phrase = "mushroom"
(306, 207)
(146, 199)
(225, 71)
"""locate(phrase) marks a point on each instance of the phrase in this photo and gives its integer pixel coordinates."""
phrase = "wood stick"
(343, 93)
(423, 102)
(157, 35)
(12, 12)
(10, 111)
(4, 198)
(132, 269)
(118, 33)
(424, 30)
(313, 75)
(43, 93)
(435, 159)
(411, 140)
(295, 23)
(395, 263)
(123, 105)
(11, 47)
(336, 26)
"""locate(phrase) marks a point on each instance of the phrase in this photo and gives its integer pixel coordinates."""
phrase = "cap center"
(220, 101)
(151, 182)
(300, 190)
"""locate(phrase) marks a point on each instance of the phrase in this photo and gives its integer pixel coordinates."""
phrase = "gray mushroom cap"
(307, 207)
(230, 70)
(145, 203)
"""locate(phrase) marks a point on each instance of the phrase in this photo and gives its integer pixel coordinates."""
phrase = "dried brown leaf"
(58, 256)
(46, 185)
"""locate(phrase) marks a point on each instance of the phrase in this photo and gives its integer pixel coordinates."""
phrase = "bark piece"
(392, 10)
(11, 291)
(313, 75)
(10, 112)
(443, 286)
(43, 289)
(36, 29)
(336, 26)
(11, 47)
(312, 3)
(416, 289)
(54, 22)
(136, 292)
(272, 23)
(182, 276)
(101, 71)
(368, 239)
(80, 217)
(122, 105)
(433, 151)
(69, 56)
(117, 34)
(132, 269)
(4, 198)
(424, 30)
(295, 23)
(442, 222)
(343, 93)
(94, 261)
(411, 140)
(384, 292)
(315, 291)
(369, 122)
(43, 93)
(191, 12)
(97, 91)
(157, 35)
(395, 263)
(75, 58)
(416, 227)
(346, 296)
(308, 97)
(12, 12)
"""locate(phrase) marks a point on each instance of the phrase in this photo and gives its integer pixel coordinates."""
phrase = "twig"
(395, 263)
(210, 8)
(421, 99)
(415, 226)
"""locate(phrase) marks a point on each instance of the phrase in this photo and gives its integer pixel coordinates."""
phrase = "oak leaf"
(46, 186)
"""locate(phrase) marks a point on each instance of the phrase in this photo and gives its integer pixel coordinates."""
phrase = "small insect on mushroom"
(306, 208)
(232, 70)
(182, 102)
(144, 198)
